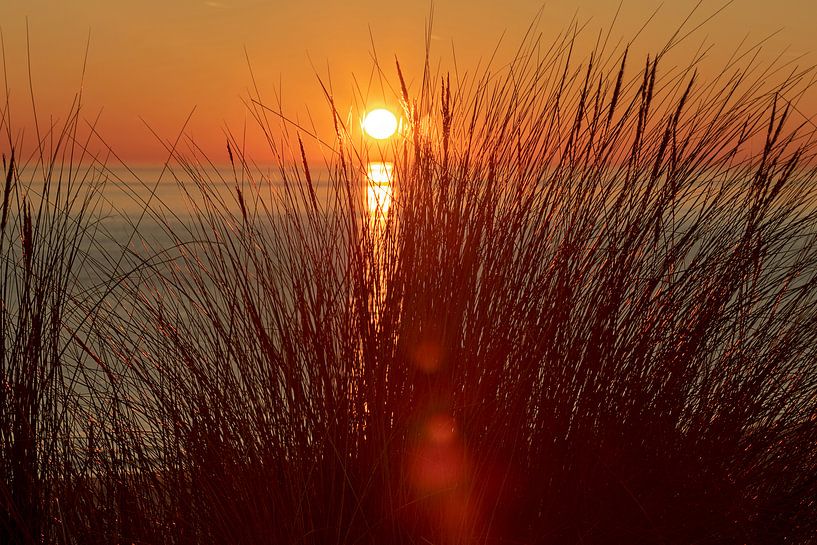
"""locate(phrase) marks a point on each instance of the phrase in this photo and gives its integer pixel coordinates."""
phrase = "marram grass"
(587, 316)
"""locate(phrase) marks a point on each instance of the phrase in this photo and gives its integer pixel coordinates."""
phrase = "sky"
(150, 63)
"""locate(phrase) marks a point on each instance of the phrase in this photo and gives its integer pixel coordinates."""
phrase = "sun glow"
(380, 124)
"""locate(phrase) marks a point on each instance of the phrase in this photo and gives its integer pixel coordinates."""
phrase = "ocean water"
(137, 209)
(139, 213)
(133, 217)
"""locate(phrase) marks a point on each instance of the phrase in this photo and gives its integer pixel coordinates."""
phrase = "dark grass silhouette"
(47, 226)
(588, 316)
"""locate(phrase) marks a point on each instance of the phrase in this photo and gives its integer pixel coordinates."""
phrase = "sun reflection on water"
(379, 188)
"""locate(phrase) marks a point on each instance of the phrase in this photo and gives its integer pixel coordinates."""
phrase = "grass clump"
(587, 316)
(47, 314)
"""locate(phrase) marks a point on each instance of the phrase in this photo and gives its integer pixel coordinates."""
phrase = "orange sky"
(160, 58)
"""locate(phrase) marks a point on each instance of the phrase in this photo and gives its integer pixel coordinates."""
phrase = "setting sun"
(380, 123)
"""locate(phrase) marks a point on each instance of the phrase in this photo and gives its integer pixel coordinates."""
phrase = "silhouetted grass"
(588, 316)
(46, 314)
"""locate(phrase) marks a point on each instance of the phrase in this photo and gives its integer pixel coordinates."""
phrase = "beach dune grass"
(587, 317)
(47, 227)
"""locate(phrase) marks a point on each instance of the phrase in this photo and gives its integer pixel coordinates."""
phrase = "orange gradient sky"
(155, 60)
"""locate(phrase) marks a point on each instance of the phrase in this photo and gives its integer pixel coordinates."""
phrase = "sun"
(380, 123)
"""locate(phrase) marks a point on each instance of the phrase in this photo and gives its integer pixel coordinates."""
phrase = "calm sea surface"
(141, 205)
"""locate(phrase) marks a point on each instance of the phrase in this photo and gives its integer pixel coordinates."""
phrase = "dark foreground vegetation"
(588, 316)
